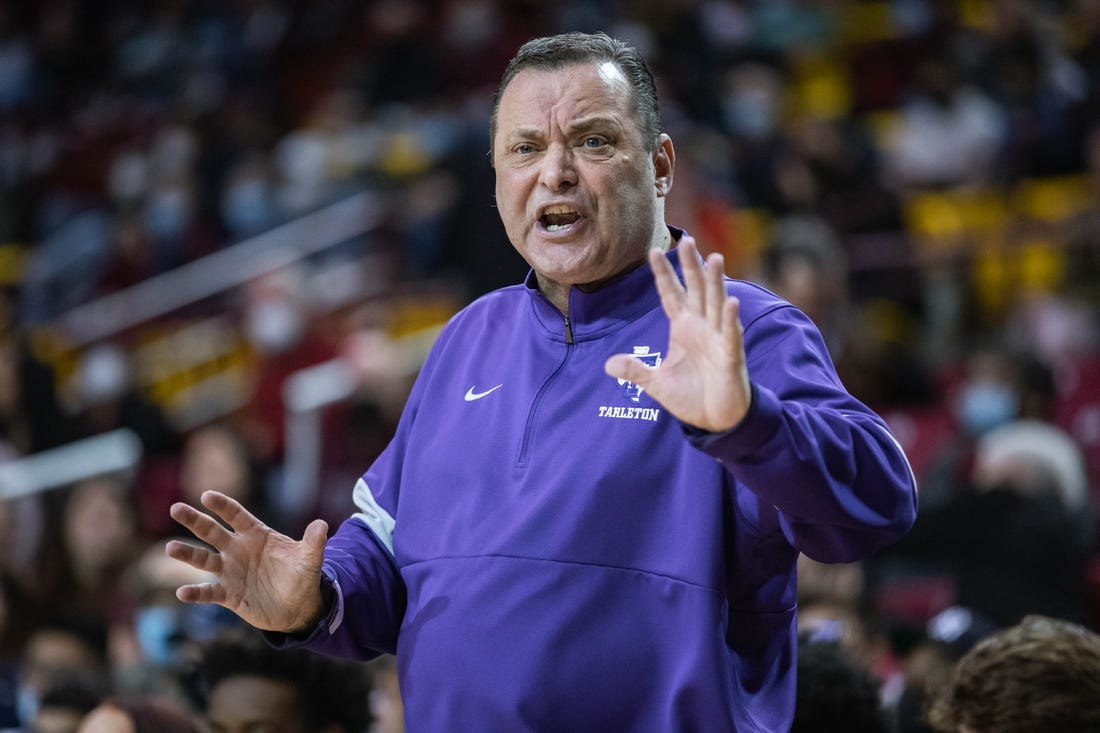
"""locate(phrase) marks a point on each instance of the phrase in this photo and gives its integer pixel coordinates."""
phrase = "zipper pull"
(568, 331)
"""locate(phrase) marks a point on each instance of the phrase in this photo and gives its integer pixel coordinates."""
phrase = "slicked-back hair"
(552, 53)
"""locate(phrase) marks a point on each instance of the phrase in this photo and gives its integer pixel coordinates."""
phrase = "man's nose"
(558, 169)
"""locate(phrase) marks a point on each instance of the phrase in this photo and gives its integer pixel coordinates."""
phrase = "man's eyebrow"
(585, 124)
(524, 133)
(591, 123)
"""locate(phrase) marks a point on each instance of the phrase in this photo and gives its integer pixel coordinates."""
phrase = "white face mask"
(104, 375)
(985, 404)
(129, 177)
(157, 629)
(26, 706)
(750, 113)
(167, 212)
(273, 326)
(247, 206)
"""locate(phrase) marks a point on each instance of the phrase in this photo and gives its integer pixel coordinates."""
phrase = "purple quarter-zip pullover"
(545, 548)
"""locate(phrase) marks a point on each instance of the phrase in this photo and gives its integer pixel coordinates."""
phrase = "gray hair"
(556, 52)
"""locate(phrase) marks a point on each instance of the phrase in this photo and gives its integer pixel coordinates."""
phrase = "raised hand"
(702, 380)
(268, 579)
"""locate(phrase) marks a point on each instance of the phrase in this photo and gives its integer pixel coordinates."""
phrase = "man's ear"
(664, 162)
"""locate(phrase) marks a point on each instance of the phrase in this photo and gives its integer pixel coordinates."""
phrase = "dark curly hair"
(834, 690)
(331, 691)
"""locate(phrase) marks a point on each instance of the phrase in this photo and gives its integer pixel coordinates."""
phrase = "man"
(139, 715)
(1042, 674)
(545, 546)
(833, 687)
(241, 684)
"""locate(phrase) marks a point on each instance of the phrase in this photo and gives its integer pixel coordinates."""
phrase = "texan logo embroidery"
(632, 391)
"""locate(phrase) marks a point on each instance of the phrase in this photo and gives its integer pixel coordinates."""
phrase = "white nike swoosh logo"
(471, 395)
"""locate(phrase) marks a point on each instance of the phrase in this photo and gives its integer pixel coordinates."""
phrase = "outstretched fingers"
(203, 526)
(668, 284)
(732, 331)
(232, 511)
(716, 295)
(202, 593)
(199, 558)
(694, 277)
(703, 291)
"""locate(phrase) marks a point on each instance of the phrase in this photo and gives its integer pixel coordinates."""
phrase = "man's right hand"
(268, 579)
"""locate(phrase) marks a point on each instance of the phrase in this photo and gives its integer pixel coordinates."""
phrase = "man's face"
(247, 704)
(578, 189)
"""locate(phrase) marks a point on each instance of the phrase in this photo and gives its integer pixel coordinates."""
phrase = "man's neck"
(558, 293)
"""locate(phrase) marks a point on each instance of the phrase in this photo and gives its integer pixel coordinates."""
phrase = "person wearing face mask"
(248, 200)
(999, 385)
(1002, 385)
(276, 324)
(61, 645)
(591, 511)
(1006, 518)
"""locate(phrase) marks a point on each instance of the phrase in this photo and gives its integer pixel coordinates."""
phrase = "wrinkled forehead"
(572, 90)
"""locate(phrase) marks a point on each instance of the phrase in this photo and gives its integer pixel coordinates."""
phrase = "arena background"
(229, 231)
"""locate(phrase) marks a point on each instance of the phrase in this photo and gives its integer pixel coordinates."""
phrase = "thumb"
(625, 366)
(315, 537)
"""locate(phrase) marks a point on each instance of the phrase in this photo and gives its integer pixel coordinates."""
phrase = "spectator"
(31, 418)
(140, 715)
(108, 399)
(161, 634)
(276, 323)
(15, 617)
(91, 535)
(834, 606)
(1042, 674)
(998, 385)
(1016, 540)
(241, 684)
(1035, 82)
(931, 657)
(217, 455)
(68, 697)
(950, 131)
(806, 265)
(833, 689)
(64, 645)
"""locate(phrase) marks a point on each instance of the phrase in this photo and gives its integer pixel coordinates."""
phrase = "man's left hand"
(703, 380)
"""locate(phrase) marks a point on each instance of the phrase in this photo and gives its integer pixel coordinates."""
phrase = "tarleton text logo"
(630, 413)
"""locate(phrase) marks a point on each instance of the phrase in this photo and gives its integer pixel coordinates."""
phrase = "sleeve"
(361, 583)
(364, 598)
(827, 465)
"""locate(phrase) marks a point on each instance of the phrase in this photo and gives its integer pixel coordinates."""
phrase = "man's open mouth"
(558, 218)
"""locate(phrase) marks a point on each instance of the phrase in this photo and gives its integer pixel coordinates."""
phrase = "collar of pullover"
(593, 314)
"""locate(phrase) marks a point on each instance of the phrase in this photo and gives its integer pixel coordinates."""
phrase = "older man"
(589, 516)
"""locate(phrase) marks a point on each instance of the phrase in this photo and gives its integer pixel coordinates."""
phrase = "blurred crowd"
(921, 177)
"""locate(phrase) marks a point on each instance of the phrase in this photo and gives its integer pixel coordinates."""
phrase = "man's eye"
(524, 148)
(594, 142)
